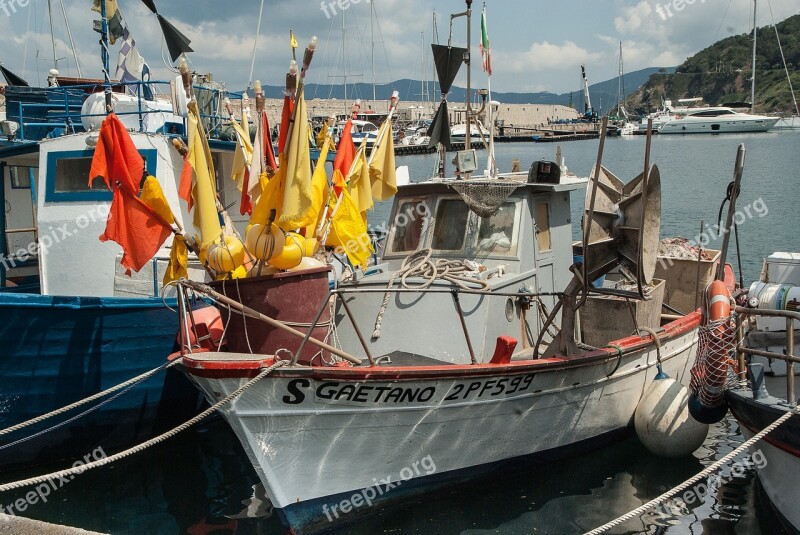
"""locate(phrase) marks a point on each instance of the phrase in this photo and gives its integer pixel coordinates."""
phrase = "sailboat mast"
(71, 41)
(755, 40)
(344, 57)
(52, 33)
(372, 31)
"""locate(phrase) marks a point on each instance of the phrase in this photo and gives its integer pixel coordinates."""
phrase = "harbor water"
(202, 483)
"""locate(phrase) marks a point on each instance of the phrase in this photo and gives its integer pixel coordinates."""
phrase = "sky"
(537, 45)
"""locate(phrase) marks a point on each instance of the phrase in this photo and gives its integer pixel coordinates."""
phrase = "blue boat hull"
(57, 350)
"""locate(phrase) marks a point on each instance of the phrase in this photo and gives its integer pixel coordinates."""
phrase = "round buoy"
(291, 254)
(707, 415)
(663, 422)
(307, 262)
(226, 257)
(262, 244)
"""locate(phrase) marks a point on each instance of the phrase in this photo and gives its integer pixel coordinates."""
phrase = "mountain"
(721, 73)
(601, 92)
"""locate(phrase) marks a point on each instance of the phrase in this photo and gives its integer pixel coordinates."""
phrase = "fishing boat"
(351, 399)
(772, 323)
(73, 319)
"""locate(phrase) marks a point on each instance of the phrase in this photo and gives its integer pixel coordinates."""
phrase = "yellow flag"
(319, 192)
(349, 231)
(178, 267)
(270, 195)
(296, 192)
(381, 168)
(204, 192)
(153, 196)
(292, 40)
(358, 181)
(242, 155)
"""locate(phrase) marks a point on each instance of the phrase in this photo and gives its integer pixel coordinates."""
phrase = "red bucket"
(293, 297)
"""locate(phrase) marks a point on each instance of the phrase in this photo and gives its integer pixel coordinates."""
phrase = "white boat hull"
(689, 125)
(315, 439)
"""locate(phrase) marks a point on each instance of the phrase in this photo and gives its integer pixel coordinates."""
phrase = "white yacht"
(715, 120)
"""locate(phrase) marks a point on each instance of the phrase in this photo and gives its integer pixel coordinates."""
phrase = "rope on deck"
(93, 397)
(689, 482)
(144, 445)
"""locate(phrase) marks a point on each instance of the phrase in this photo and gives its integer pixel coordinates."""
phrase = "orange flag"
(345, 155)
(132, 223)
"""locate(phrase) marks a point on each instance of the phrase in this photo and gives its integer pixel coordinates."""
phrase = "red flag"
(286, 116)
(131, 223)
(269, 150)
(345, 154)
(246, 204)
(185, 187)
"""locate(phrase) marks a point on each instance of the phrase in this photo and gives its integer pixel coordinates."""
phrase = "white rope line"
(419, 264)
(91, 398)
(689, 482)
(144, 445)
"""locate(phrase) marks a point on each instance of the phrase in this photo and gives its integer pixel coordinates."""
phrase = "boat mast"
(755, 40)
(71, 41)
(620, 83)
(372, 31)
(52, 33)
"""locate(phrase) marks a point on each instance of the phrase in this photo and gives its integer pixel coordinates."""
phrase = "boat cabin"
(524, 246)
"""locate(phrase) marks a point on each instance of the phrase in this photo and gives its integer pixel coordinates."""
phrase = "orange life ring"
(718, 298)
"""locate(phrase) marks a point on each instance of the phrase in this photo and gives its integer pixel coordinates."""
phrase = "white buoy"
(663, 422)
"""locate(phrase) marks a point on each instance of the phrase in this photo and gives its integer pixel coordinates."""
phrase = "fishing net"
(714, 368)
(486, 196)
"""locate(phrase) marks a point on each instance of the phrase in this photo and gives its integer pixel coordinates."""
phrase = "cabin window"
(21, 176)
(450, 232)
(542, 219)
(72, 175)
(409, 223)
(68, 176)
(496, 233)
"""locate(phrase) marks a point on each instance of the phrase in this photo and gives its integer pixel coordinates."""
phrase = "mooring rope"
(93, 397)
(689, 482)
(144, 445)
(419, 264)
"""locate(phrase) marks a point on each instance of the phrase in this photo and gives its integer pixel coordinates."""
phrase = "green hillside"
(721, 73)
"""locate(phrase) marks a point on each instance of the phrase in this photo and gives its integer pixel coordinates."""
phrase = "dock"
(17, 525)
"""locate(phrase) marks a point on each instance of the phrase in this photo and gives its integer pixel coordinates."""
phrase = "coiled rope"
(419, 264)
(144, 445)
(91, 398)
(689, 482)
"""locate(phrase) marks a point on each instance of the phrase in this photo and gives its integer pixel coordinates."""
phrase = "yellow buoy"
(291, 254)
(262, 244)
(224, 258)
(307, 262)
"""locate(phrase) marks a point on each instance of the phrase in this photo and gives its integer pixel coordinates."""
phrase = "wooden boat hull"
(57, 350)
(318, 436)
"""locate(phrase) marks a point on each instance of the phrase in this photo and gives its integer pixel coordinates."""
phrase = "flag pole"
(104, 55)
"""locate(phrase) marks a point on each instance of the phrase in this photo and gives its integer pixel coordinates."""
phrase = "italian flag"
(486, 51)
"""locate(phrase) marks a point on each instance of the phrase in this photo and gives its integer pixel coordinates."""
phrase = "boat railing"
(188, 326)
(63, 108)
(790, 358)
(454, 292)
